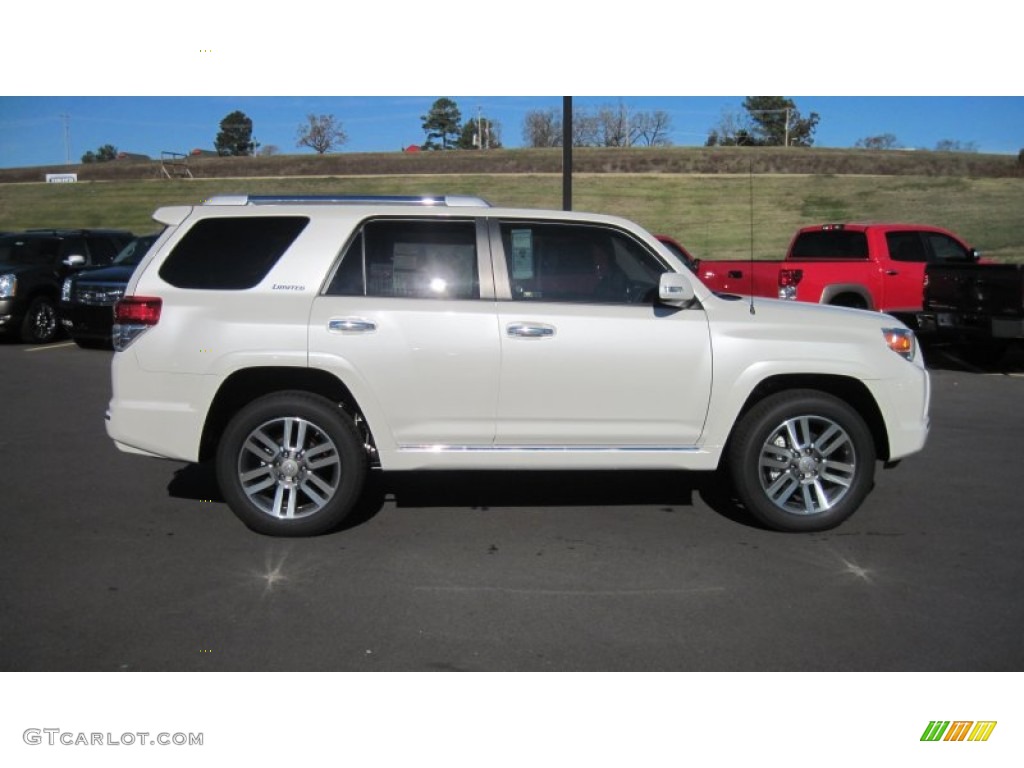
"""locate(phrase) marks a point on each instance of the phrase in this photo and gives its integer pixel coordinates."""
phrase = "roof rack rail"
(450, 201)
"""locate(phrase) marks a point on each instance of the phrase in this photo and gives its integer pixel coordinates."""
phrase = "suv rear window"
(230, 253)
(831, 244)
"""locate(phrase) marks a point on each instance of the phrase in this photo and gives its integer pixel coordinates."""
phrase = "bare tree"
(542, 128)
(951, 145)
(651, 128)
(586, 129)
(613, 126)
(883, 141)
(733, 129)
(321, 134)
(608, 126)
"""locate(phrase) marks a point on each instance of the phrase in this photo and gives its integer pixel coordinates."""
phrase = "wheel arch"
(848, 389)
(248, 384)
(852, 295)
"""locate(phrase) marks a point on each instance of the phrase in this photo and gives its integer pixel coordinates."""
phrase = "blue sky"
(152, 80)
(32, 129)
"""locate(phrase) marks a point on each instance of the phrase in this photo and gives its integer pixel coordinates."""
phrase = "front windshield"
(132, 253)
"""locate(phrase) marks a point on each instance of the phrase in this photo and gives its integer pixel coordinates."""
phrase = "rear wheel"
(802, 461)
(291, 464)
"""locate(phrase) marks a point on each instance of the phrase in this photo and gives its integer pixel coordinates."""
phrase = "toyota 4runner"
(297, 342)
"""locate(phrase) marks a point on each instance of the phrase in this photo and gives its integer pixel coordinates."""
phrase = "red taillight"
(789, 277)
(138, 310)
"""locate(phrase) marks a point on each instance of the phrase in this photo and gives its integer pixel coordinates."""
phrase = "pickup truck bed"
(980, 306)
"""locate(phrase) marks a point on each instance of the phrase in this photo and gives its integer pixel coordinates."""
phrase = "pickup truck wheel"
(802, 461)
(291, 464)
(40, 323)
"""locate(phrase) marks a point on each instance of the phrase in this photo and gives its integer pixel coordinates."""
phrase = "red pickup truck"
(869, 266)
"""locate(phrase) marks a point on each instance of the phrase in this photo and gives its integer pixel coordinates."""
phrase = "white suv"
(299, 341)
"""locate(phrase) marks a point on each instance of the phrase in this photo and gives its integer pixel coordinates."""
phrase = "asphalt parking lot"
(117, 562)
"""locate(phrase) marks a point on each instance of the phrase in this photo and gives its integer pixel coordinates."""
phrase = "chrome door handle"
(530, 330)
(351, 325)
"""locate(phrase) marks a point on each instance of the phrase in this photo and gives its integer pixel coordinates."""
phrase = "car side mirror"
(74, 261)
(674, 289)
(975, 254)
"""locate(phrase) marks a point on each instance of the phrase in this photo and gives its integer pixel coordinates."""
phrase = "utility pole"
(66, 119)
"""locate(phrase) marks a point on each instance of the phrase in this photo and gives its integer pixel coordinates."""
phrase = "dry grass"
(712, 212)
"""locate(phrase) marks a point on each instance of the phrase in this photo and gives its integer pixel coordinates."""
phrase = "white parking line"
(51, 346)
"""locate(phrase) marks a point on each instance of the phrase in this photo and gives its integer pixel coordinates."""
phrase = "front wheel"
(291, 464)
(40, 323)
(802, 461)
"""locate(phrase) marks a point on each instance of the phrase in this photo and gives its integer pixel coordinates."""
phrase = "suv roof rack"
(443, 200)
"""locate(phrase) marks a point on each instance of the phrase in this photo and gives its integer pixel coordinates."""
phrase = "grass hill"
(711, 199)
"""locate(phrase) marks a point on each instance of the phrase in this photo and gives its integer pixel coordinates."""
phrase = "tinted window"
(132, 253)
(16, 249)
(946, 249)
(230, 253)
(578, 263)
(422, 258)
(830, 244)
(102, 250)
(906, 246)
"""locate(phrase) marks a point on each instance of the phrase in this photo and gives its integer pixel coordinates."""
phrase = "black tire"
(790, 479)
(291, 464)
(40, 325)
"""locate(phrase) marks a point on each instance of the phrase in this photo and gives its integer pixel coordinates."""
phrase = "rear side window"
(29, 250)
(831, 244)
(906, 246)
(230, 253)
(419, 259)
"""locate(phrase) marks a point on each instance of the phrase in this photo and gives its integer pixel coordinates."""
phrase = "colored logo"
(959, 730)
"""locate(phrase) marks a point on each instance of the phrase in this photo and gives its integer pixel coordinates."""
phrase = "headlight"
(8, 284)
(901, 341)
(65, 290)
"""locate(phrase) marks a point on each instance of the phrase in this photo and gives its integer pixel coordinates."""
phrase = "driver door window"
(558, 262)
(946, 250)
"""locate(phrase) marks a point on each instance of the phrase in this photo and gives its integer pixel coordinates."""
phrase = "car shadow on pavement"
(483, 490)
(957, 357)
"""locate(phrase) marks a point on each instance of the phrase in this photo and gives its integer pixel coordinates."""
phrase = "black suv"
(88, 296)
(34, 263)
